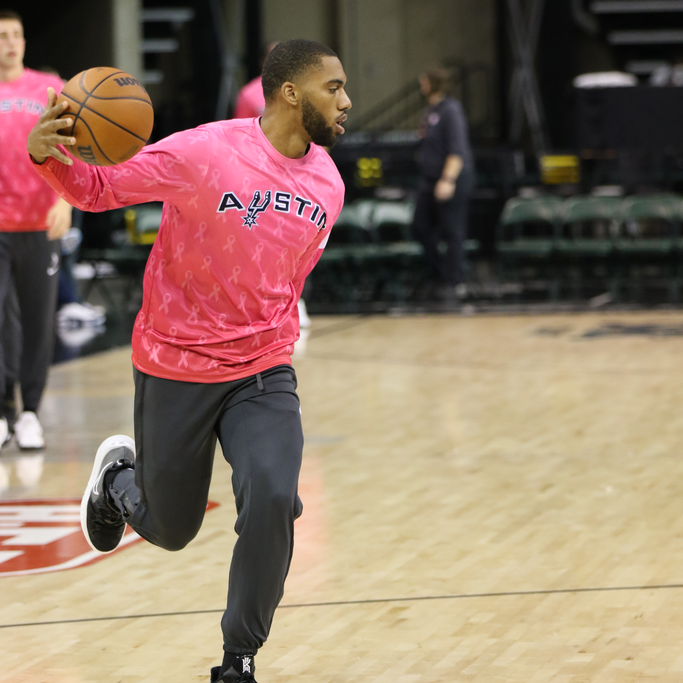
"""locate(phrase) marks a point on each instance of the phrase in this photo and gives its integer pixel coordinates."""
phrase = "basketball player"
(32, 219)
(248, 207)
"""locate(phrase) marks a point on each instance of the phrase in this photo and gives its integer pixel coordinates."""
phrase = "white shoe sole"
(118, 441)
(31, 445)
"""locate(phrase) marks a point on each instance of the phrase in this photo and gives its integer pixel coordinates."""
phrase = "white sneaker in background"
(4, 431)
(81, 315)
(28, 432)
(75, 337)
(304, 320)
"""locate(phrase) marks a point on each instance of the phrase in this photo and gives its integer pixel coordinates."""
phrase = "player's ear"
(290, 93)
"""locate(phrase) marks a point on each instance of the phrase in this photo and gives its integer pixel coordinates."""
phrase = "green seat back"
(357, 214)
(583, 208)
(395, 213)
(354, 225)
(538, 209)
(652, 206)
(392, 220)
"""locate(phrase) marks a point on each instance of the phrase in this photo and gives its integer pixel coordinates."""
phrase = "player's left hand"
(44, 139)
(58, 220)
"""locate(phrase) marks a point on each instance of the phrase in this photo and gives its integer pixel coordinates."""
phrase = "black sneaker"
(241, 671)
(102, 523)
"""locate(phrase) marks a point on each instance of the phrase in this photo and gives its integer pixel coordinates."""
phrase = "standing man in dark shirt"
(445, 184)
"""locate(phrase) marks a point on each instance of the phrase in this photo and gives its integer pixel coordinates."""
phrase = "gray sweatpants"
(258, 423)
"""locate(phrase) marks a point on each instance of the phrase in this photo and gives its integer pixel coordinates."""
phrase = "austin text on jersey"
(282, 202)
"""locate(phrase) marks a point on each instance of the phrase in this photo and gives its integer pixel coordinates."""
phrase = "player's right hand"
(43, 139)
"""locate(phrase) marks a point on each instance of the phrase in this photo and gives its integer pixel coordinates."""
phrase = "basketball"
(112, 115)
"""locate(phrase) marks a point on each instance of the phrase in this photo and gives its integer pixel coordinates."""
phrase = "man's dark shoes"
(240, 671)
(102, 522)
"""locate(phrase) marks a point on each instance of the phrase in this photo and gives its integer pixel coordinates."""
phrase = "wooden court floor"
(487, 498)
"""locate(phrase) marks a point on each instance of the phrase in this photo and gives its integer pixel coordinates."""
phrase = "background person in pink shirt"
(250, 100)
(32, 219)
(248, 208)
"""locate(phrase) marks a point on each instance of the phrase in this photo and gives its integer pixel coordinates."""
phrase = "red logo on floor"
(40, 536)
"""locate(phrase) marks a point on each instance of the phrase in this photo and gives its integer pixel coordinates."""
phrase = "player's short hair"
(11, 14)
(439, 79)
(290, 60)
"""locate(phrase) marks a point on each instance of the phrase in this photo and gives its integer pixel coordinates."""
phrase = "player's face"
(12, 43)
(324, 103)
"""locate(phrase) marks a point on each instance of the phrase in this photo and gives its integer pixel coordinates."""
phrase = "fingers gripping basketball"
(112, 114)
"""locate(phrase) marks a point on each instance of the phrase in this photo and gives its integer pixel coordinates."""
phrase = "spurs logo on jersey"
(283, 202)
(255, 208)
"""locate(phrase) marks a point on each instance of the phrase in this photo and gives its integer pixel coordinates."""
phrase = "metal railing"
(472, 84)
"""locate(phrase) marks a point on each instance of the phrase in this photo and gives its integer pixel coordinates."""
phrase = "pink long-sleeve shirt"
(24, 199)
(242, 227)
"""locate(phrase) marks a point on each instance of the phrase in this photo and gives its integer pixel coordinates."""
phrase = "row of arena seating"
(621, 242)
(538, 226)
(592, 225)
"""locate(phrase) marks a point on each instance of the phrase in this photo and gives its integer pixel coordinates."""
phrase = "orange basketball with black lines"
(112, 114)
